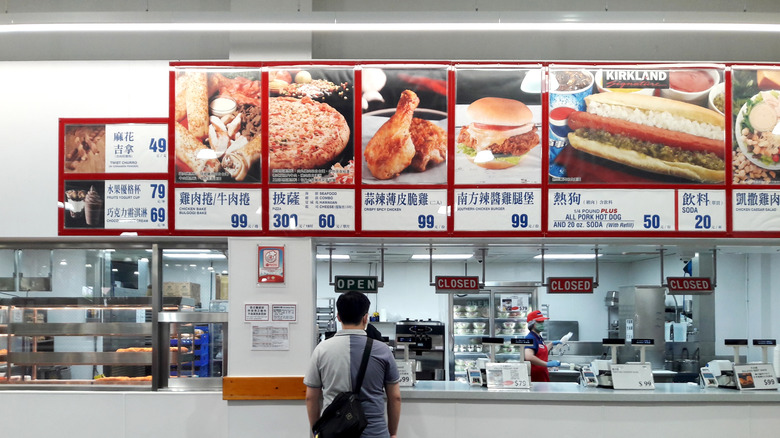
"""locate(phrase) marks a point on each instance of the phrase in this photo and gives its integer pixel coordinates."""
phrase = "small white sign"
(137, 147)
(498, 210)
(218, 209)
(610, 210)
(136, 204)
(270, 336)
(256, 312)
(307, 209)
(701, 210)
(284, 312)
(756, 376)
(508, 375)
(406, 371)
(405, 210)
(756, 210)
(633, 376)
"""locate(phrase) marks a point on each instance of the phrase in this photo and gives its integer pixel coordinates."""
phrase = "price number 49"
(158, 145)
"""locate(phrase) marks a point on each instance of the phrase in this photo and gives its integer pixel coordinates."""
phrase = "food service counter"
(572, 392)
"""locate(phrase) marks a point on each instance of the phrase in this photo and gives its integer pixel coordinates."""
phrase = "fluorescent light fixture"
(567, 256)
(335, 256)
(346, 21)
(194, 256)
(442, 256)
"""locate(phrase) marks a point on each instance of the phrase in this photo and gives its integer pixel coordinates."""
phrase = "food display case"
(500, 310)
(85, 341)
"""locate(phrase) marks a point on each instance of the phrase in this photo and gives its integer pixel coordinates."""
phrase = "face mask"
(539, 327)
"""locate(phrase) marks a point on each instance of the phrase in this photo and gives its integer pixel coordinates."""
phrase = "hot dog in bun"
(501, 133)
(654, 134)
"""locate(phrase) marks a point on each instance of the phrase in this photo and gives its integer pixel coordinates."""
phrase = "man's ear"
(365, 320)
(338, 317)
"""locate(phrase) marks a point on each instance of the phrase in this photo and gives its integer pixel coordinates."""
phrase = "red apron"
(539, 373)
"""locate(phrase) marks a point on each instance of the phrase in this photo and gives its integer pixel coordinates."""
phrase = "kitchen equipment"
(498, 311)
(422, 341)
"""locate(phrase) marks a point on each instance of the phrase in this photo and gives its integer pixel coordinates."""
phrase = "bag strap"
(363, 366)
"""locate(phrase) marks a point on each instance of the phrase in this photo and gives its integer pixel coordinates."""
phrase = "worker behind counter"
(538, 353)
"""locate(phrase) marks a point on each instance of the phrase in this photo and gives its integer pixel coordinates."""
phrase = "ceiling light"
(442, 256)
(335, 256)
(567, 256)
(195, 256)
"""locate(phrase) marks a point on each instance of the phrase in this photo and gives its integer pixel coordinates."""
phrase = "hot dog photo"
(636, 126)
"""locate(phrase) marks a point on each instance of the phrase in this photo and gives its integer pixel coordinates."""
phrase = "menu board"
(116, 204)
(113, 175)
(755, 95)
(453, 149)
(404, 122)
(498, 119)
(498, 209)
(405, 210)
(115, 148)
(232, 209)
(307, 210)
(217, 125)
(311, 125)
(610, 210)
(636, 125)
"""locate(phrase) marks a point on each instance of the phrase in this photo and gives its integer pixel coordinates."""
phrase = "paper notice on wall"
(270, 336)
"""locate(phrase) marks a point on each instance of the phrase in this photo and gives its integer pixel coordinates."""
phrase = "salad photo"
(756, 154)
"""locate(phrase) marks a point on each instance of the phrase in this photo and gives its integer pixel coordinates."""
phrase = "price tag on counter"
(756, 376)
(632, 376)
(701, 210)
(610, 210)
(508, 375)
(307, 209)
(405, 210)
(498, 209)
(218, 209)
(137, 147)
(406, 372)
(756, 210)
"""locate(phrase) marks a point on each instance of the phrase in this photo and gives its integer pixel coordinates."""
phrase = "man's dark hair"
(352, 306)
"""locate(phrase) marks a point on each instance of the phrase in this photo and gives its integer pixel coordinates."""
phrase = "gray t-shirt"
(334, 366)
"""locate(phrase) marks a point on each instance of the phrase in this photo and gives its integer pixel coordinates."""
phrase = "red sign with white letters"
(570, 285)
(457, 284)
(688, 284)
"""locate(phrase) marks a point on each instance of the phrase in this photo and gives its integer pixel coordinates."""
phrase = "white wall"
(298, 289)
(35, 96)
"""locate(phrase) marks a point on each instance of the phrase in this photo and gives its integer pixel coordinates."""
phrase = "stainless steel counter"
(572, 392)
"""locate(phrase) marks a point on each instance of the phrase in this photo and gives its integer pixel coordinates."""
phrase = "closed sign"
(688, 284)
(457, 284)
(568, 285)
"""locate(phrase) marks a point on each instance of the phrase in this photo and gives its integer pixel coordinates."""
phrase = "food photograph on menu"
(310, 125)
(217, 127)
(498, 118)
(642, 124)
(84, 204)
(404, 121)
(755, 112)
(85, 149)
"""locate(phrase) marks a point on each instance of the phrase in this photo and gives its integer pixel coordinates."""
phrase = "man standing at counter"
(539, 352)
(334, 366)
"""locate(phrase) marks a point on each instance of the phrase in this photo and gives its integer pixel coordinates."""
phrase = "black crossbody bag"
(344, 417)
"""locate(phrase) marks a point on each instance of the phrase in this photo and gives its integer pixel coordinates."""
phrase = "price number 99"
(519, 221)
(238, 221)
(425, 221)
